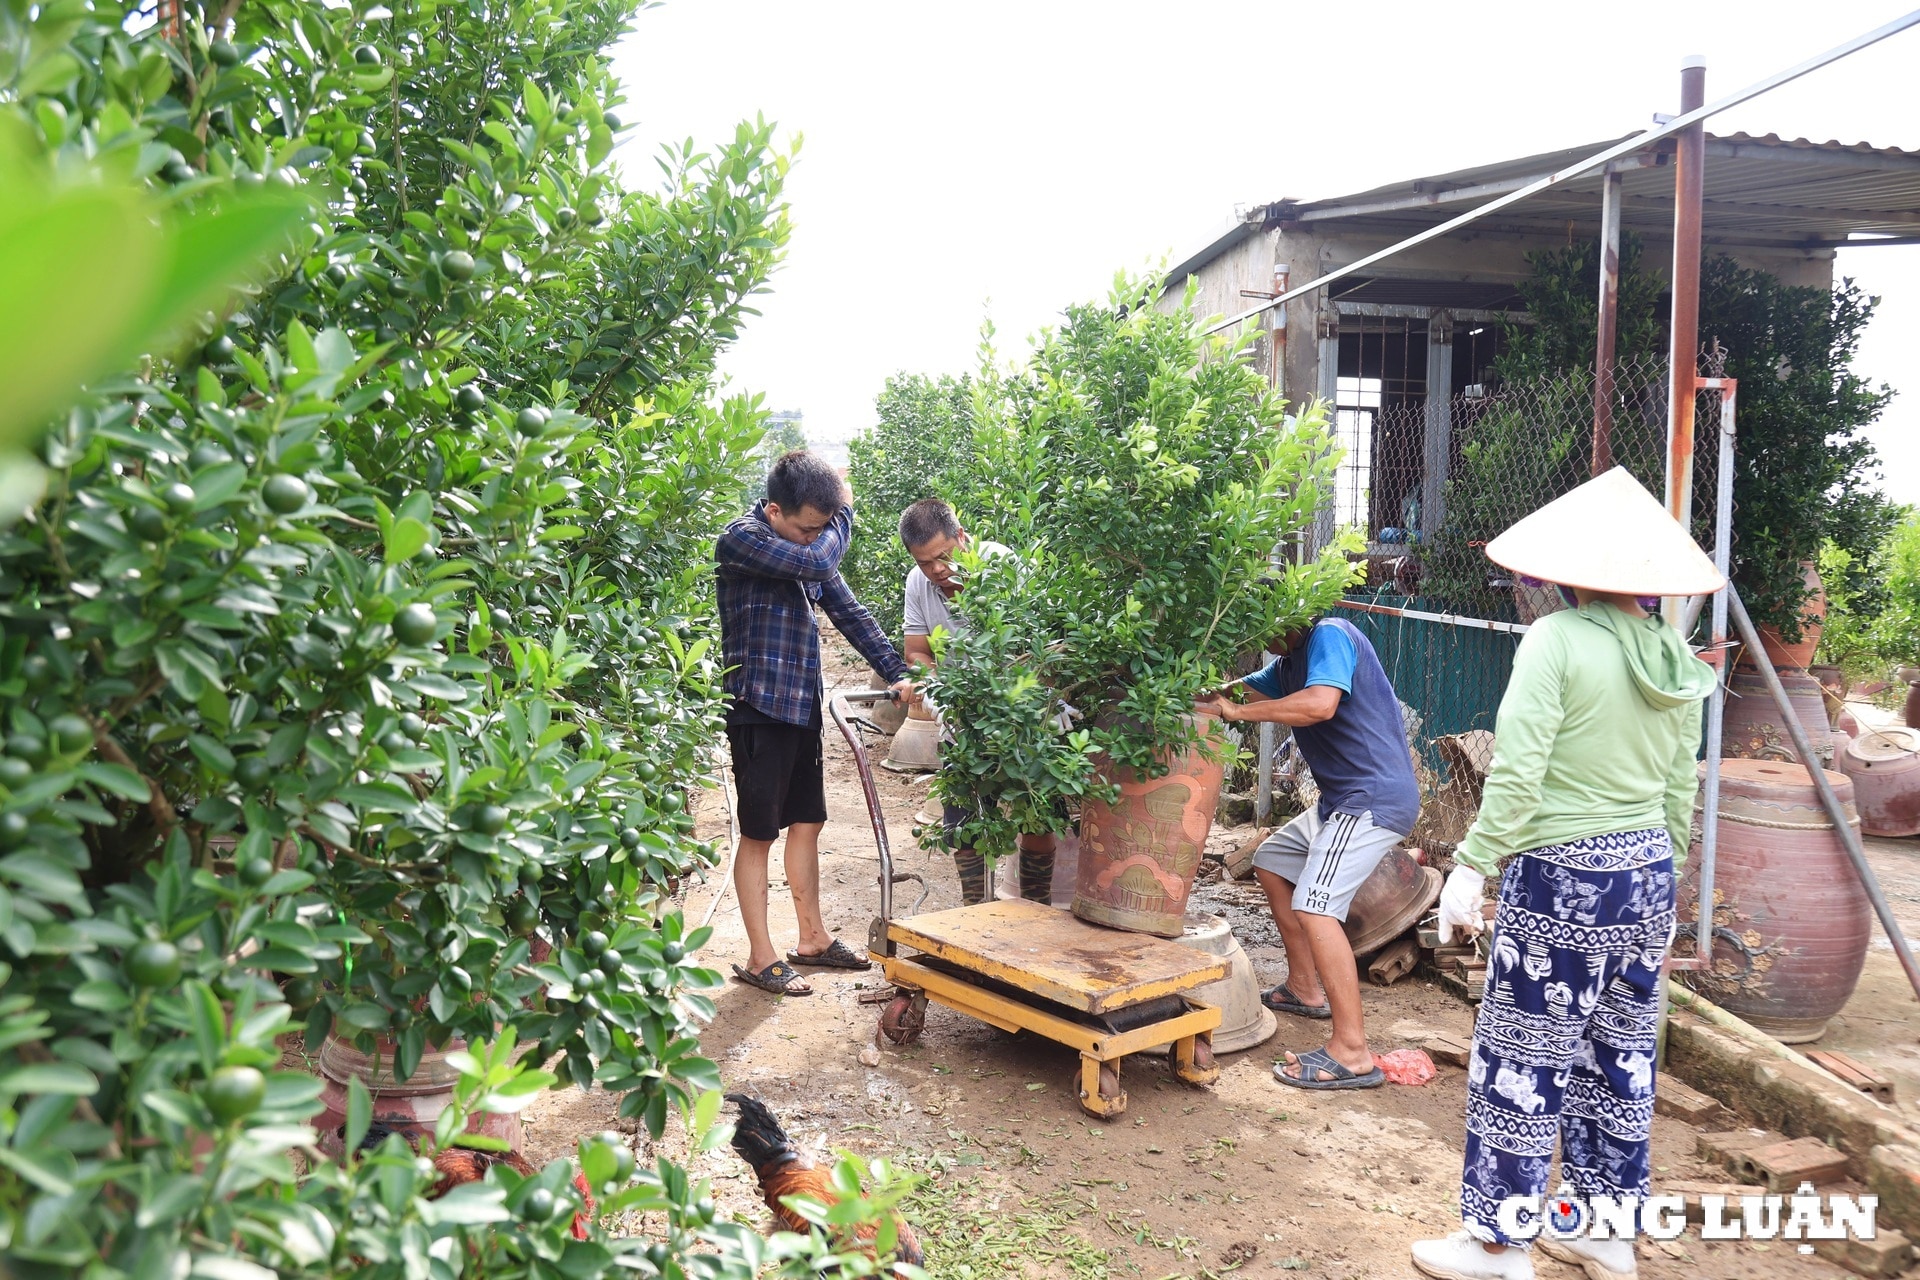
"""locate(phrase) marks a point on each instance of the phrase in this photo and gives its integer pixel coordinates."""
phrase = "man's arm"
(861, 631)
(750, 547)
(1315, 704)
(920, 650)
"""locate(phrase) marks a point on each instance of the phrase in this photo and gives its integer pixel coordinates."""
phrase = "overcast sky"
(1005, 159)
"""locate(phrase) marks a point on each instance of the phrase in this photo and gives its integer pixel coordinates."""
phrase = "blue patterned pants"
(1564, 1044)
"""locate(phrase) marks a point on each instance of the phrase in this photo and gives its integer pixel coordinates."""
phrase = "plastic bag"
(1405, 1066)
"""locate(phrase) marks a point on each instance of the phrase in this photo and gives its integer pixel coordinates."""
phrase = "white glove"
(1460, 900)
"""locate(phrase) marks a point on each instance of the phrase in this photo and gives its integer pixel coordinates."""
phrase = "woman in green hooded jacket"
(1588, 804)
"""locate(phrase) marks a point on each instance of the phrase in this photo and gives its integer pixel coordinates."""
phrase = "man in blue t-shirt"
(1328, 686)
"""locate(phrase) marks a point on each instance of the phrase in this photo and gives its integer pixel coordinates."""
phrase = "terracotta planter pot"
(411, 1106)
(1755, 729)
(1885, 768)
(1138, 856)
(1813, 616)
(1790, 920)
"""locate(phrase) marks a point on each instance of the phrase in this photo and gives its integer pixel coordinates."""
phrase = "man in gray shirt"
(931, 534)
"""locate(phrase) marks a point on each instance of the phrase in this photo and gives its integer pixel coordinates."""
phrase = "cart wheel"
(1100, 1093)
(1193, 1060)
(904, 1017)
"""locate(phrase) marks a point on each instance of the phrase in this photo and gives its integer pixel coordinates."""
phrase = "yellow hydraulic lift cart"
(1025, 966)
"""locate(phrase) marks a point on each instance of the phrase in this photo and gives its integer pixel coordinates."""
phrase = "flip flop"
(1314, 1061)
(1281, 1000)
(780, 978)
(837, 956)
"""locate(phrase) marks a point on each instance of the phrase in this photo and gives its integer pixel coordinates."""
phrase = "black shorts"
(779, 774)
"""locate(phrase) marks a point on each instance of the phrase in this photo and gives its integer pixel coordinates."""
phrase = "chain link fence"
(1444, 619)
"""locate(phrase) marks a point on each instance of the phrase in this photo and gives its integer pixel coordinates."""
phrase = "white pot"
(1244, 1021)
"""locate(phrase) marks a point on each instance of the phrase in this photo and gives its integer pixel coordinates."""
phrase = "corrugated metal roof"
(1758, 190)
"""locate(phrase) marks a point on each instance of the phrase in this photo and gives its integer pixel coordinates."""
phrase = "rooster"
(459, 1165)
(782, 1171)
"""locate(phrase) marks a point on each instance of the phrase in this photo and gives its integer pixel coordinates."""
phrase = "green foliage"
(1803, 472)
(356, 665)
(1559, 295)
(922, 447)
(1873, 604)
(1144, 476)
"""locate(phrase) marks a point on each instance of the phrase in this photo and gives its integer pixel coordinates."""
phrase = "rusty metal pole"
(1609, 323)
(1685, 352)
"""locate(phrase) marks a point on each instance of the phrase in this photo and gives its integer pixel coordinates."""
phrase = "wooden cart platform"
(1024, 966)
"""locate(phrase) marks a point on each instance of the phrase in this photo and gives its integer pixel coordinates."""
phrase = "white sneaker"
(1461, 1257)
(1603, 1259)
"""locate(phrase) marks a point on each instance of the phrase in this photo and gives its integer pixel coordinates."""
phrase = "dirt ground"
(1247, 1177)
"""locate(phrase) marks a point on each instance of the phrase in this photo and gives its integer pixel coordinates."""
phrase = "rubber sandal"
(780, 978)
(837, 956)
(1314, 1061)
(1281, 1000)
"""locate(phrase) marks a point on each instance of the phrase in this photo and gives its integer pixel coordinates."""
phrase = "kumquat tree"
(356, 657)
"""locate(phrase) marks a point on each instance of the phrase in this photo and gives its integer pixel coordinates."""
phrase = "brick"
(1724, 1147)
(1393, 963)
(1468, 989)
(1696, 1192)
(1448, 1050)
(1783, 1166)
(1893, 1174)
(1854, 1073)
(1887, 1254)
(1682, 1101)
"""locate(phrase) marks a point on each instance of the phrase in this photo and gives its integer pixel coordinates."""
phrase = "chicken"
(782, 1171)
(460, 1165)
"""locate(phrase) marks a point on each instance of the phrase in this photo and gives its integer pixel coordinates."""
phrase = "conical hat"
(1608, 535)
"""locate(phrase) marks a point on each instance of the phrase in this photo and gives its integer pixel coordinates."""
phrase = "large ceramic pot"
(1813, 618)
(1139, 855)
(1754, 727)
(1790, 919)
(1912, 712)
(410, 1106)
(1389, 902)
(1885, 767)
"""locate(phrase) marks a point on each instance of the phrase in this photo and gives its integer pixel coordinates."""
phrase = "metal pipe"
(1717, 705)
(1848, 835)
(1450, 619)
(1581, 168)
(1609, 323)
(1684, 353)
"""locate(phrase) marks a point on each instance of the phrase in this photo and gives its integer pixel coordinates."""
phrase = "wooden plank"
(1057, 956)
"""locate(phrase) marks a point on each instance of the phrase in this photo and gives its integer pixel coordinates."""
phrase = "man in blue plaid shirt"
(774, 564)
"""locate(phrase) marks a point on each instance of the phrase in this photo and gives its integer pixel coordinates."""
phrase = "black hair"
(926, 520)
(801, 479)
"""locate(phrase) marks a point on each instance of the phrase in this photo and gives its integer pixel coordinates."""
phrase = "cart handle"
(864, 767)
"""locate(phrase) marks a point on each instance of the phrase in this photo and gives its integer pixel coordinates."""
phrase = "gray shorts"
(1325, 862)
